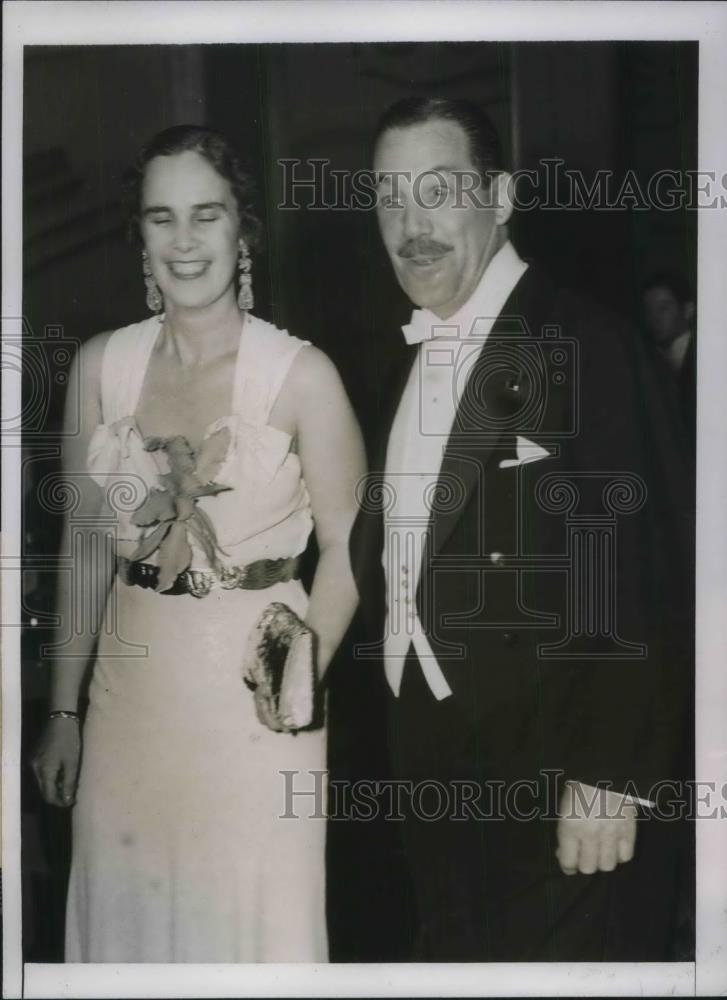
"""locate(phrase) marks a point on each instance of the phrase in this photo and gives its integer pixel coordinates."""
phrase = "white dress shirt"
(419, 435)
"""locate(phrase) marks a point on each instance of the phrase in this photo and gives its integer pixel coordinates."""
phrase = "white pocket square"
(527, 451)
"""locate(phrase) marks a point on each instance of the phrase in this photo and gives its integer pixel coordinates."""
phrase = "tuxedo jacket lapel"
(491, 398)
(467, 452)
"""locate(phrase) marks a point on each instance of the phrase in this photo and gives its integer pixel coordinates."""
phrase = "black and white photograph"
(363, 440)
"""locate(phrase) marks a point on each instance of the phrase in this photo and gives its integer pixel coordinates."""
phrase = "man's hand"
(596, 829)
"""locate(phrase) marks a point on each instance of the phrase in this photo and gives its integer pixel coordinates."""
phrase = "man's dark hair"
(674, 282)
(485, 146)
(212, 146)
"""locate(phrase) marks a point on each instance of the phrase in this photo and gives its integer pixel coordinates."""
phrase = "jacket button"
(509, 638)
(496, 558)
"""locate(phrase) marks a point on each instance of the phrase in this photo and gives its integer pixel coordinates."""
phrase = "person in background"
(668, 320)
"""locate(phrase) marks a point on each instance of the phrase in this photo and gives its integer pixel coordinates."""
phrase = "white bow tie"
(421, 326)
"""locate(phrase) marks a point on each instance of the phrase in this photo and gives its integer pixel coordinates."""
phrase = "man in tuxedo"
(523, 580)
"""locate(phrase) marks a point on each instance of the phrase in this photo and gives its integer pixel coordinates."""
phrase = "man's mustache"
(423, 247)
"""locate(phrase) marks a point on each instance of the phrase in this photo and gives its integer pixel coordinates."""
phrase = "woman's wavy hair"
(218, 151)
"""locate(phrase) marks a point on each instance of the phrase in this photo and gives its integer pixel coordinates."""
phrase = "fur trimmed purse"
(279, 665)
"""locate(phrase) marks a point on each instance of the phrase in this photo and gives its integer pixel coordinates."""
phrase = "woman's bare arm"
(333, 459)
(82, 589)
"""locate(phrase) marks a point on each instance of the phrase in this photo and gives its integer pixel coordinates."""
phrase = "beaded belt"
(255, 576)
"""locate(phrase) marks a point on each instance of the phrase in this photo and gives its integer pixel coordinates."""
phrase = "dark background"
(321, 274)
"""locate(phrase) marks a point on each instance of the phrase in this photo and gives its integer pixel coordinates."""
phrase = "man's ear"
(504, 191)
(689, 311)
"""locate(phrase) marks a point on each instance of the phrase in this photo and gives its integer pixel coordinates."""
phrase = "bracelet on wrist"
(62, 714)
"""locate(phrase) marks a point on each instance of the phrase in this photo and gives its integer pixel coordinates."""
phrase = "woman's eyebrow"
(202, 206)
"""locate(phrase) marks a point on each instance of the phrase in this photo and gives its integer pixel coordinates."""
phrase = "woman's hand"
(56, 761)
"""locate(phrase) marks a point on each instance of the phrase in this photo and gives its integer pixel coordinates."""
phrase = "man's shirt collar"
(498, 280)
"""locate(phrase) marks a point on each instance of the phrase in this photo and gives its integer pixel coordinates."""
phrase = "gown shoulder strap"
(124, 365)
(266, 354)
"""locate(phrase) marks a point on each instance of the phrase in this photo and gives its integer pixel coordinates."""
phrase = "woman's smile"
(187, 270)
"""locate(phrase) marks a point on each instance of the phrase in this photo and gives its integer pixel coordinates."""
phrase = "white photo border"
(124, 23)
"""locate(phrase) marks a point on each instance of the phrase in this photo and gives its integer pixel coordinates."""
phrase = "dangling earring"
(245, 298)
(153, 295)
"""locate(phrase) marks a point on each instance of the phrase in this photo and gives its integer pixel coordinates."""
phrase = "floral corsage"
(172, 512)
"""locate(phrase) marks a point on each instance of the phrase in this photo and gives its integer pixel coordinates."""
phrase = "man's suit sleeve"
(633, 715)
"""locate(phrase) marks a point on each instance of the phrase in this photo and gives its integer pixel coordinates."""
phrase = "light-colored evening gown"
(179, 851)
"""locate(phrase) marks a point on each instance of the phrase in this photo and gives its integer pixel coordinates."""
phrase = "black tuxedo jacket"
(556, 594)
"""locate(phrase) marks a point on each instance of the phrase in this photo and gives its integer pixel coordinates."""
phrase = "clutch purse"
(279, 665)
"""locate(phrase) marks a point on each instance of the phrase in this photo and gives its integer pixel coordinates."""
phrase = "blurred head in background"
(667, 313)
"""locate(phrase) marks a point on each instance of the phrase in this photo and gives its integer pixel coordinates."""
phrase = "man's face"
(664, 316)
(439, 253)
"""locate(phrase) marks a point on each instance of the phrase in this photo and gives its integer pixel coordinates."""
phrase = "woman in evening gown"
(212, 444)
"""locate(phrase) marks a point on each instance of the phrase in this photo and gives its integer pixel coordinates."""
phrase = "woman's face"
(190, 229)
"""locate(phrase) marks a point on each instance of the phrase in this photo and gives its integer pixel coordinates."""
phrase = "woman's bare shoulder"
(125, 339)
(90, 357)
(312, 386)
(313, 371)
(95, 346)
